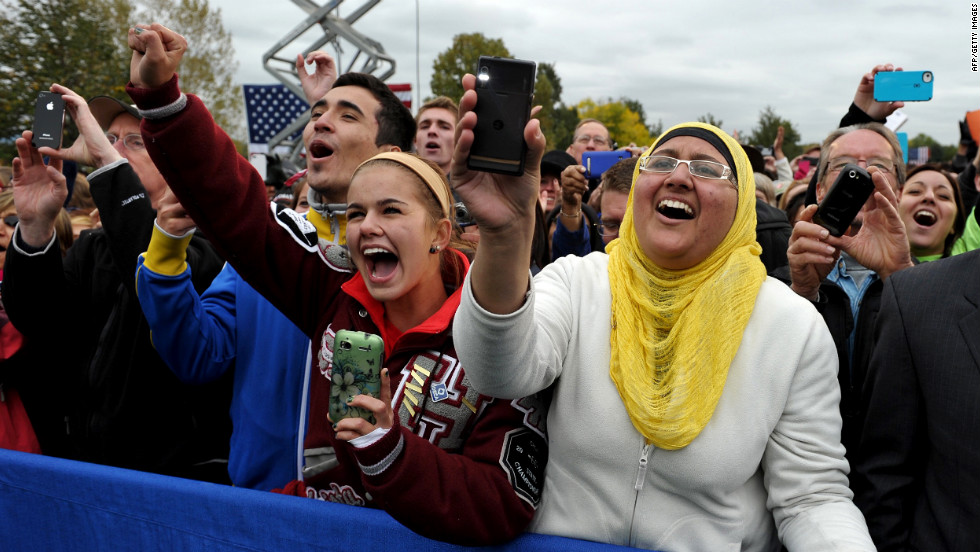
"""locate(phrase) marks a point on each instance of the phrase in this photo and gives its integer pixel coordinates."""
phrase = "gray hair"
(877, 128)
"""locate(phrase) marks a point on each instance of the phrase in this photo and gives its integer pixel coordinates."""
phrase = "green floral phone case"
(357, 361)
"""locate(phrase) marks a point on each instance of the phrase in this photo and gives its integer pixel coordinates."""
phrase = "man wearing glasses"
(843, 276)
(122, 405)
(590, 135)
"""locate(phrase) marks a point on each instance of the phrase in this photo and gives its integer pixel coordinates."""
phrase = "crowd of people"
(671, 355)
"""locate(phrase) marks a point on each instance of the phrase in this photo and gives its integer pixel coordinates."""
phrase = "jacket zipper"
(641, 472)
(641, 475)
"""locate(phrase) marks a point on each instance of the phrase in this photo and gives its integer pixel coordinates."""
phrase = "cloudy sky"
(680, 59)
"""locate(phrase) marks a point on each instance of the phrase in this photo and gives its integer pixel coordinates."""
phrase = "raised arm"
(221, 191)
(124, 205)
(503, 206)
(864, 108)
(194, 335)
(316, 84)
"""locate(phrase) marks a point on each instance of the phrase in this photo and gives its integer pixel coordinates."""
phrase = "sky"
(681, 60)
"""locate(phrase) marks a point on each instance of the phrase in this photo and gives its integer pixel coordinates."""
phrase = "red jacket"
(480, 483)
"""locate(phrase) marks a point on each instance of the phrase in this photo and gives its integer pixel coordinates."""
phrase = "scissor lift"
(369, 55)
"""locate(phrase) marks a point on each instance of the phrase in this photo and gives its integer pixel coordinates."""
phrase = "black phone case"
(844, 200)
(503, 107)
(49, 120)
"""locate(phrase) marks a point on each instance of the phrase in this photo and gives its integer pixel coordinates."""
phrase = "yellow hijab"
(675, 332)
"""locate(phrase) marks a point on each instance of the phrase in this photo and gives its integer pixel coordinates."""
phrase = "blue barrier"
(54, 504)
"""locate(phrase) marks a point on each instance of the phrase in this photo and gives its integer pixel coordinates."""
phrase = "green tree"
(78, 43)
(624, 124)
(709, 119)
(656, 129)
(461, 58)
(208, 67)
(765, 134)
(557, 120)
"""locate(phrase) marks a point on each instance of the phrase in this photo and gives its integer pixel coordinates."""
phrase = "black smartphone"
(504, 90)
(49, 120)
(849, 192)
(598, 162)
(357, 361)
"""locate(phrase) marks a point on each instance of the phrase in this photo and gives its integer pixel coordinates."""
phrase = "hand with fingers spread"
(864, 96)
(40, 191)
(157, 52)
(811, 257)
(777, 145)
(92, 147)
(172, 217)
(316, 84)
(352, 428)
(881, 244)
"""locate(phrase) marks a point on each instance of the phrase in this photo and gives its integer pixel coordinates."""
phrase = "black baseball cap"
(555, 161)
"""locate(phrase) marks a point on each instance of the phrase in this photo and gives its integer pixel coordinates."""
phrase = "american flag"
(403, 92)
(270, 108)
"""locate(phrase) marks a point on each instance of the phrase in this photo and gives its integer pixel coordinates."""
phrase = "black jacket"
(772, 231)
(835, 307)
(916, 477)
(124, 407)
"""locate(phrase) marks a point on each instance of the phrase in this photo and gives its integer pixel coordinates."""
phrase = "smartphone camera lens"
(852, 174)
(345, 345)
(484, 74)
(927, 76)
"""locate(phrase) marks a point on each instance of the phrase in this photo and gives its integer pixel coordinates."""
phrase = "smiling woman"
(932, 209)
(695, 401)
(444, 460)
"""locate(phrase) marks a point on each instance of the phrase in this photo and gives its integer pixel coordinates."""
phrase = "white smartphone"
(895, 121)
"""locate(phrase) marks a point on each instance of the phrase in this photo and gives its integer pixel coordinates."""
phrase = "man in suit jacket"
(917, 474)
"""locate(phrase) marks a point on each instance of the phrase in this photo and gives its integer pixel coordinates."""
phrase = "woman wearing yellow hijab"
(695, 401)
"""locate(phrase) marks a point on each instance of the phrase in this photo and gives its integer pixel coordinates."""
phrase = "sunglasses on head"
(11, 220)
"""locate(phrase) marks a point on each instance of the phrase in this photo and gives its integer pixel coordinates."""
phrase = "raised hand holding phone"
(504, 88)
(39, 192)
(502, 205)
(49, 120)
(91, 147)
(882, 243)
(864, 95)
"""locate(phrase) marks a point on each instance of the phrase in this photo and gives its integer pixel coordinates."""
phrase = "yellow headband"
(432, 179)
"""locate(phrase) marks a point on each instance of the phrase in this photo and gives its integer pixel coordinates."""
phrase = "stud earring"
(434, 249)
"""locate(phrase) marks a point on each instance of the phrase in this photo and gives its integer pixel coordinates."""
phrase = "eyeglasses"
(133, 142)
(700, 168)
(11, 220)
(837, 165)
(598, 140)
(609, 227)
